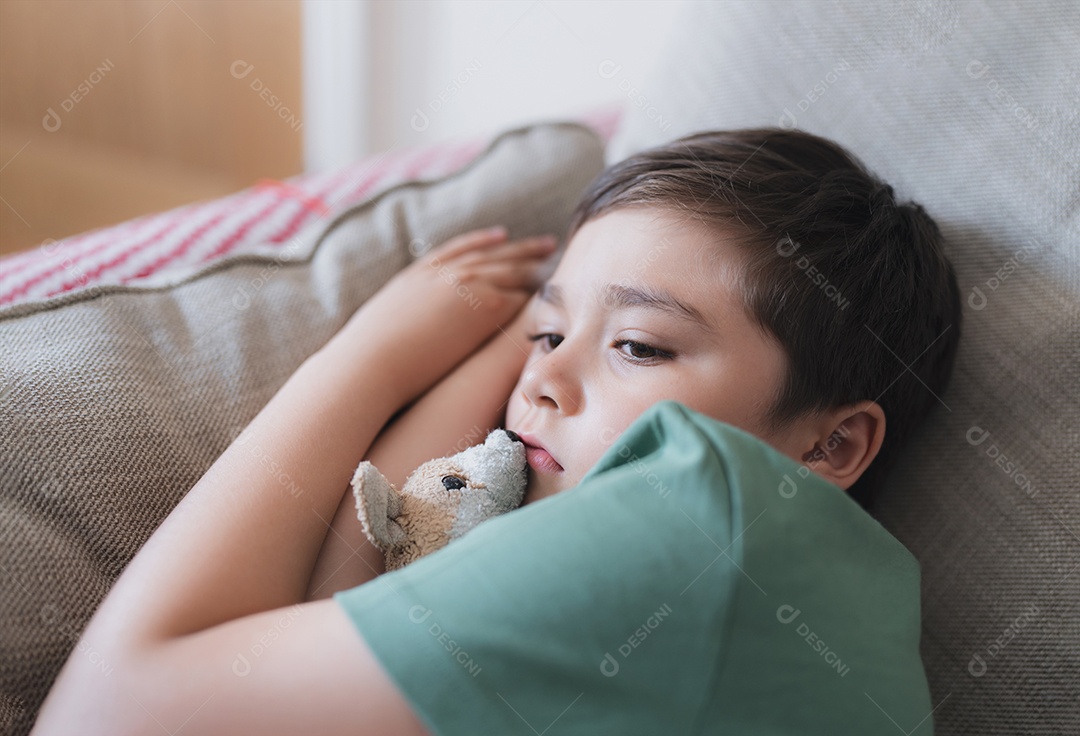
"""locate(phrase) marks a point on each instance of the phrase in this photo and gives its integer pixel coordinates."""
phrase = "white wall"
(459, 68)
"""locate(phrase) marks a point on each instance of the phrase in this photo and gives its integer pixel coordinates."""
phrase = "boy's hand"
(440, 308)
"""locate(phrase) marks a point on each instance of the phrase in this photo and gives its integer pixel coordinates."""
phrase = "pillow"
(693, 582)
(161, 247)
(971, 110)
(116, 399)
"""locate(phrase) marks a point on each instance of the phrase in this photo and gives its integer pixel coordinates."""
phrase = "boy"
(840, 270)
(760, 278)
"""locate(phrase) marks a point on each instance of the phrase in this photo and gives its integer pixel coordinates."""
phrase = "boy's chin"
(537, 488)
(540, 486)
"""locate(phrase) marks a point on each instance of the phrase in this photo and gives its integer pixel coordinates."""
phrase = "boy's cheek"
(513, 407)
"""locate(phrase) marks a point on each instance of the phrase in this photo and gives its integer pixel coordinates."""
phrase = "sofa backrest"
(972, 110)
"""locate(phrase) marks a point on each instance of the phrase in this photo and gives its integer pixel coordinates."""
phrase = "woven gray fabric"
(114, 401)
(973, 110)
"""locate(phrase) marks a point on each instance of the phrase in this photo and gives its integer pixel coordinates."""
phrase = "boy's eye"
(641, 352)
(638, 352)
(551, 340)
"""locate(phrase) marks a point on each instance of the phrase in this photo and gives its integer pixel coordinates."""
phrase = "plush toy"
(442, 499)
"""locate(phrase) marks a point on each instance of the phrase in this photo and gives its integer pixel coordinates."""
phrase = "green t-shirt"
(696, 581)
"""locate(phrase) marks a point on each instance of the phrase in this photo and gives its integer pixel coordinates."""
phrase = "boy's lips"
(539, 458)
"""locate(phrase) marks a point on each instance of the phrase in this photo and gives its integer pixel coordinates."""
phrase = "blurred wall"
(111, 109)
(459, 67)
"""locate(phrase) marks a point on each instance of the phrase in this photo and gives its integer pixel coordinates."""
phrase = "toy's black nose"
(512, 435)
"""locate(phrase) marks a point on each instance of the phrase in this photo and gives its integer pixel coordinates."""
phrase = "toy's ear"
(377, 505)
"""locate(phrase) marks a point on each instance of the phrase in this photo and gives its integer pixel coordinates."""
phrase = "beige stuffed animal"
(442, 499)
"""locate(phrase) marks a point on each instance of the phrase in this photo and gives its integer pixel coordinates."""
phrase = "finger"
(470, 241)
(508, 272)
(539, 246)
(522, 275)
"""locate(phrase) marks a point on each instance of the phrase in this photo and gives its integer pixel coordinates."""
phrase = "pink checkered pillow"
(162, 247)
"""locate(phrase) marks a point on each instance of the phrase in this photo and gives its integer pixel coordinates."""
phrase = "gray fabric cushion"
(115, 400)
(973, 110)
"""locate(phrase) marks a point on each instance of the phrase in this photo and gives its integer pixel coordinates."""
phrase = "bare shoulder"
(301, 669)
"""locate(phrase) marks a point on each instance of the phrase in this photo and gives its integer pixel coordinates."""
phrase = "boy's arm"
(245, 538)
(456, 413)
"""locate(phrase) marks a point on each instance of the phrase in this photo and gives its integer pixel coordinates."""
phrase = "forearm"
(246, 536)
(456, 413)
(459, 410)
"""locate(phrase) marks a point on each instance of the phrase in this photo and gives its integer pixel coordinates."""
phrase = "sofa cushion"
(116, 399)
(165, 246)
(972, 110)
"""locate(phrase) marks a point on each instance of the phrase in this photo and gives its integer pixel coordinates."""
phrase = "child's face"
(605, 361)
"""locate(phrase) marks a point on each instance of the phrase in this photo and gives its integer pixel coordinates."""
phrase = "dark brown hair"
(852, 283)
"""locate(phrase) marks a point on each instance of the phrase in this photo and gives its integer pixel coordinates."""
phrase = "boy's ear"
(847, 441)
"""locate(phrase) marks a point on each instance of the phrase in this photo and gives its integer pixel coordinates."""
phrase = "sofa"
(973, 110)
(133, 355)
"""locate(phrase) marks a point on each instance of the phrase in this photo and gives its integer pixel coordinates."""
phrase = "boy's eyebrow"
(621, 296)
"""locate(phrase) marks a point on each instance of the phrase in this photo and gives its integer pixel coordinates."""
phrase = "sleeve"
(595, 610)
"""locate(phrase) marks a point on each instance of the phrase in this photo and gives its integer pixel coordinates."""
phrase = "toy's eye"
(452, 482)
